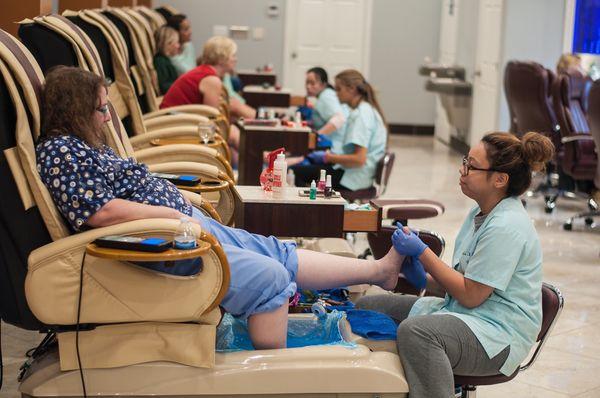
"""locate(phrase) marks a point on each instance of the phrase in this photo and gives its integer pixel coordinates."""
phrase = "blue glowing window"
(586, 32)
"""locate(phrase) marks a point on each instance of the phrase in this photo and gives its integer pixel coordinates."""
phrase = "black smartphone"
(147, 244)
(179, 179)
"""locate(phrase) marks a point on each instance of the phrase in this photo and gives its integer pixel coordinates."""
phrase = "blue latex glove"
(317, 157)
(414, 272)
(407, 244)
(323, 141)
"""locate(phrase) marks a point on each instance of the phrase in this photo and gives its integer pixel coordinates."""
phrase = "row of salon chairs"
(566, 108)
(34, 237)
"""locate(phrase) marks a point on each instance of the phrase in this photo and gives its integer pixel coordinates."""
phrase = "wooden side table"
(258, 96)
(294, 215)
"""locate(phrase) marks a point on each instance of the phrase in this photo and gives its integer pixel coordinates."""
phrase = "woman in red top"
(202, 85)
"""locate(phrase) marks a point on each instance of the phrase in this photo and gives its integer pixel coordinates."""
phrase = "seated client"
(93, 187)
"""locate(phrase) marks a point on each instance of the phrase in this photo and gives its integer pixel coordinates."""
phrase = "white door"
(333, 34)
(487, 79)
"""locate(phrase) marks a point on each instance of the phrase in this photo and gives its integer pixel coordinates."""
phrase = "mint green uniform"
(504, 253)
(364, 127)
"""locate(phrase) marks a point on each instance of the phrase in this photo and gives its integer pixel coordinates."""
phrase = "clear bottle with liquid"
(185, 236)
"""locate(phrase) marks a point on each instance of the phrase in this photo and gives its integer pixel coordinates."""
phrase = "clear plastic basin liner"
(232, 333)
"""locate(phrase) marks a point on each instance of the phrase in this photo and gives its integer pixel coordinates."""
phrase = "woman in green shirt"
(167, 45)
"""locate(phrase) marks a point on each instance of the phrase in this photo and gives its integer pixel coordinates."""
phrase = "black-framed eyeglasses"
(466, 167)
(103, 109)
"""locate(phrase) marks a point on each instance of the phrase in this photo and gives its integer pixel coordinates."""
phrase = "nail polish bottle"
(321, 184)
(313, 191)
(328, 191)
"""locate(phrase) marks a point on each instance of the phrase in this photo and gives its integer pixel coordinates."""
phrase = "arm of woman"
(467, 292)
(334, 123)
(118, 211)
(356, 159)
(211, 87)
(239, 109)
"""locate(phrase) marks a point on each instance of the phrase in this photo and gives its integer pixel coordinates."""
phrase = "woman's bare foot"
(389, 269)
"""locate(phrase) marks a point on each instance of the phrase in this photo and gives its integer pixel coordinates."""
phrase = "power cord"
(77, 325)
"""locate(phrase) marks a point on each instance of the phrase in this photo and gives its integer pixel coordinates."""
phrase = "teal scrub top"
(504, 253)
(364, 127)
(229, 87)
(326, 106)
(186, 60)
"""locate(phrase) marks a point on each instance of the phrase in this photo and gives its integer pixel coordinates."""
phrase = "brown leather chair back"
(577, 158)
(527, 86)
(593, 117)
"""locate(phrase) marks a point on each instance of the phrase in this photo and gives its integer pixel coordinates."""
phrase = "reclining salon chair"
(114, 44)
(578, 158)
(130, 330)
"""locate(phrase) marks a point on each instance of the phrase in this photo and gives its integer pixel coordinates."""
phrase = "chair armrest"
(183, 119)
(178, 132)
(196, 109)
(222, 198)
(202, 204)
(116, 291)
(577, 137)
(185, 153)
(143, 140)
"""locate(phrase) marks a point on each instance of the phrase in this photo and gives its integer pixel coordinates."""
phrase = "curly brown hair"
(69, 100)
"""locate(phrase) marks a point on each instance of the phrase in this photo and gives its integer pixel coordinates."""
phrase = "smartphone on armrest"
(134, 243)
(178, 179)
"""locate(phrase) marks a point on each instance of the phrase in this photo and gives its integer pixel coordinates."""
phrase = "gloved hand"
(317, 157)
(407, 243)
(323, 141)
(414, 272)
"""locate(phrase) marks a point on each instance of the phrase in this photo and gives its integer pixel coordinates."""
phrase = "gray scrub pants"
(433, 348)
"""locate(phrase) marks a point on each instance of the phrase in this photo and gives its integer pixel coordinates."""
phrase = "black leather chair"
(552, 305)
(578, 158)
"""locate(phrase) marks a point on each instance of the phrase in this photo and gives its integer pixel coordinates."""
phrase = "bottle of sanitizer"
(279, 175)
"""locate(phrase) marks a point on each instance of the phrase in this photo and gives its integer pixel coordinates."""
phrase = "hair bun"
(537, 150)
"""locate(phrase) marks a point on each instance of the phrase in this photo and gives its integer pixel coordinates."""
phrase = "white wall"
(403, 33)
(204, 14)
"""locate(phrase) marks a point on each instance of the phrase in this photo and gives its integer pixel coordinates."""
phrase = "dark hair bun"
(537, 150)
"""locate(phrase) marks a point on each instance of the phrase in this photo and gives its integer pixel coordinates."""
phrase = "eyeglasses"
(103, 109)
(466, 167)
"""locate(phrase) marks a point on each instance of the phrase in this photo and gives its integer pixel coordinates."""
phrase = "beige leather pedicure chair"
(142, 333)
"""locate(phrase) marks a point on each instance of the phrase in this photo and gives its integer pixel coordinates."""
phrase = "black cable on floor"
(77, 325)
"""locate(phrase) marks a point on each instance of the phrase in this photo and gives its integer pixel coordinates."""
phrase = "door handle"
(294, 55)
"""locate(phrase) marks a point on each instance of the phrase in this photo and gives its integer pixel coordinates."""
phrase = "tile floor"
(570, 363)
